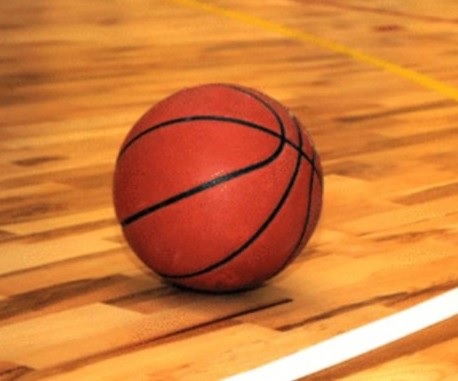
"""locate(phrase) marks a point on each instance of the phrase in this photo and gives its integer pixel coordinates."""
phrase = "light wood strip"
(404, 216)
(49, 224)
(124, 331)
(30, 340)
(68, 295)
(22, 255)
(157, 362)
(104, 264)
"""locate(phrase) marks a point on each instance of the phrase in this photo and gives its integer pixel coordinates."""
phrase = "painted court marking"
(356, 342)
(299, 35)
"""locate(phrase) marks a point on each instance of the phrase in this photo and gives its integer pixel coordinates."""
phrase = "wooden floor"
(376, 84)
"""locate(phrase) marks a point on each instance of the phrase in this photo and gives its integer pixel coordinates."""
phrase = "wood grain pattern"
(75, 303)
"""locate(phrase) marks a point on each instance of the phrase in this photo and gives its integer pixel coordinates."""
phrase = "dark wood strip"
(389, 299)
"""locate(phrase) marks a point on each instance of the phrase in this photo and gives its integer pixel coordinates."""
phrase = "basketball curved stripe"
(297, 124)
(280, 109)
(220, 118)
(305, 226)
(152, 208)
(218, 180)
(306, 223)
(216, 118)
(254, 237)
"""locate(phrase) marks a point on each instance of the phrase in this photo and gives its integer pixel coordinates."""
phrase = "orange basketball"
(218, 188)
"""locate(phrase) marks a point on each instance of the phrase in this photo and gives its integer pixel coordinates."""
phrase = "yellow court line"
(298, 35)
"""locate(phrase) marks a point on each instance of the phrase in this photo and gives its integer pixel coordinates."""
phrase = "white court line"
(356, 342)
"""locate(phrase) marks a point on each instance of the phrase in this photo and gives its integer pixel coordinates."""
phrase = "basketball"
(218, 188)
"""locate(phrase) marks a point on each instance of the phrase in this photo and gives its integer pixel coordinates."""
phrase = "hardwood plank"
(27, 255)
(98, 265)
(70, 220)
(110, 331)
(64, 296)
(10, 371)
(29, 342)
(157, 362)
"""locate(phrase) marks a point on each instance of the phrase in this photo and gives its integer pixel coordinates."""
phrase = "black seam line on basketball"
(254, 95)
(312, 160)
(314, 168)
(212, 183)
(215, 118)
(308, 208)
(307, 211)
(268, 220)
(293, 117)
(306, 222)
(254, 237)
(199, 188)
